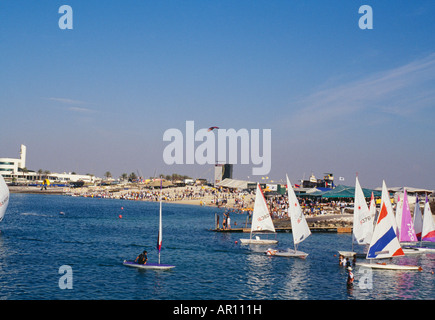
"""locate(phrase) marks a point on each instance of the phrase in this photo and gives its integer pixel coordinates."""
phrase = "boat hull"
(151, 266)
(347, 253)
(389, 266)
(258, 241)
(288, 253)
(410, 251)
(418, 250)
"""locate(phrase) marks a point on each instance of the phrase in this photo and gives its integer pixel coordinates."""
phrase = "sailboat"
(261, 221)
(362, 220)
(424, 226)
(300, 229)
(4, 197)
(428, 232)
(385, 244)
(412, 230)
(406, 231)
(156, 266)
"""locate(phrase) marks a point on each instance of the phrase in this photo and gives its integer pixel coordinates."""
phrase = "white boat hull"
(258, 241)
(418, 250)
(347, 253)
(386, 266)
(151, 266)
(409, 251)
(288, 253)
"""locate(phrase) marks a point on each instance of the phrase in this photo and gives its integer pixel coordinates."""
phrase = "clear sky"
(338, 99)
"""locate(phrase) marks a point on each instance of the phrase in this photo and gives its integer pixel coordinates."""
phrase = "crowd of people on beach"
(232, 200)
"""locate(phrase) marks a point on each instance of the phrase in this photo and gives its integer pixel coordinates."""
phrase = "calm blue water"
(36, 240)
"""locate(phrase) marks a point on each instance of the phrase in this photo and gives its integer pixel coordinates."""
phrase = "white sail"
(428, 233)
(261, 219)
(372, 208)
(399, 211)
(418, 219)
(300, 229)
(4, 197)
(362, 217)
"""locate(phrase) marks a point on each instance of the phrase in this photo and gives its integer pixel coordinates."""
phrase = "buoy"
(235, 242)
(122, 208)
(120, 216)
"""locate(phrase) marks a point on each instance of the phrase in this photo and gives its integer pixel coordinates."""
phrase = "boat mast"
(160, 221)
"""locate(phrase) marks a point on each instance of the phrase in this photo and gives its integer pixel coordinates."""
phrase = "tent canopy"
(233, 183)
(345, 192)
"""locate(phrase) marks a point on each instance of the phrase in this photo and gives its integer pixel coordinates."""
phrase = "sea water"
(41, 234)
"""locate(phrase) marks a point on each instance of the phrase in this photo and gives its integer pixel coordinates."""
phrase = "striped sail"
(384, 243)
(385, 198)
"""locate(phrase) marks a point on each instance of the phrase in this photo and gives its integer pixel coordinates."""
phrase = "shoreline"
(322, 218)
(237, 203)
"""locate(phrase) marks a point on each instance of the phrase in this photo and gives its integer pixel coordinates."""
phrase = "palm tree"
(132, 176)
(108, 174)
(40, 173)
(24, 170)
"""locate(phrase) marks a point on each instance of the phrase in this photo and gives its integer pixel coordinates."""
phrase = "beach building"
(11, 166)
(15, 170)
(222, 172)
(312, 182)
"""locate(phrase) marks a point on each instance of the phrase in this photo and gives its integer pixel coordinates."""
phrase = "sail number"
(263, 217)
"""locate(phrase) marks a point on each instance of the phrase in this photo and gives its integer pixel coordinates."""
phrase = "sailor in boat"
(142, 258)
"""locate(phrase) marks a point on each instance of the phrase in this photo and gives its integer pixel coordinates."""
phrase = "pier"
(336, 229)
(335, 223)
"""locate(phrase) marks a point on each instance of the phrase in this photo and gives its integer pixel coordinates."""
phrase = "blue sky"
(338, 99)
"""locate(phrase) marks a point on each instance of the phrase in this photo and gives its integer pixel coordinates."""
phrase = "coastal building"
(312, 182)
(15, 170)
(222, 172)
(11, 166)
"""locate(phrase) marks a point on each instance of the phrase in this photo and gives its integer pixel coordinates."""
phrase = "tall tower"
(22, 163)
(222, 171)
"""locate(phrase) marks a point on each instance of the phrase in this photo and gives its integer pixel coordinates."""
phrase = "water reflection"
(259, 275)
(297, 273)
(396, 284)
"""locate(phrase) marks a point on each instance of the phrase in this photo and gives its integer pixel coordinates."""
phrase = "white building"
(10, 166)
(14, 170)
